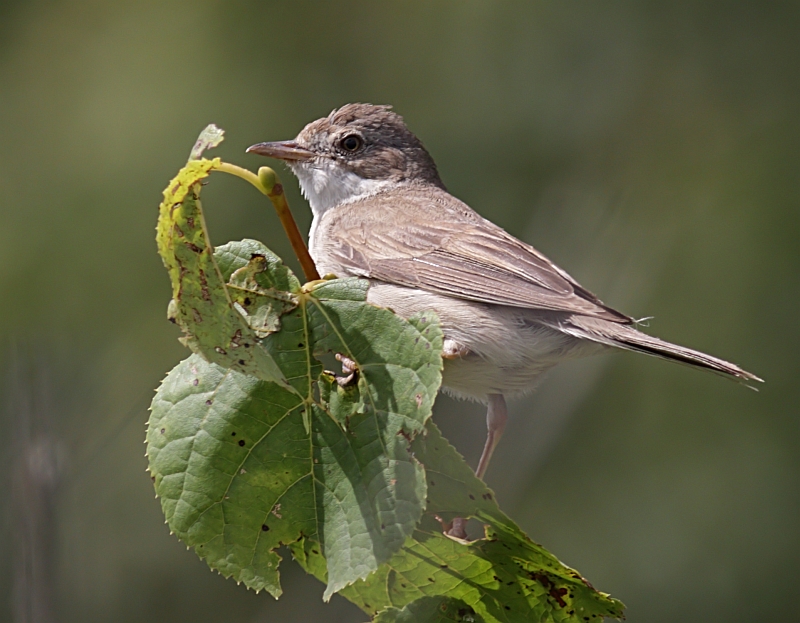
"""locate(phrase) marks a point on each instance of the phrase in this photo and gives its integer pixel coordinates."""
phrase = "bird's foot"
(349, 374)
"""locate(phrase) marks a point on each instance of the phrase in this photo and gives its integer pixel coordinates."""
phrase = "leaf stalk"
(268, 183)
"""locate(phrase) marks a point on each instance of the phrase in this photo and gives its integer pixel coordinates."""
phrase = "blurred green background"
(649, 148)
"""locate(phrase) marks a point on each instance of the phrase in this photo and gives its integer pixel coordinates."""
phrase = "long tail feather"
(628, 338)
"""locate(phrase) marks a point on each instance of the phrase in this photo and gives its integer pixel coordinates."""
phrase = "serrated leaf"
(251, 444)
(503, 577)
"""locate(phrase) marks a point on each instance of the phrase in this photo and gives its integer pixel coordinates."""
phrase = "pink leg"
(496, 418)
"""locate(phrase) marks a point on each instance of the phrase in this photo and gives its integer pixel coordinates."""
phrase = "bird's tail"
(625, 336)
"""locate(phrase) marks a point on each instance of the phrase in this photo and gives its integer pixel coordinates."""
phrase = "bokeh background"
(649, 148)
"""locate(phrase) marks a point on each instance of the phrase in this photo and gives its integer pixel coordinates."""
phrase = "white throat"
(327, 185)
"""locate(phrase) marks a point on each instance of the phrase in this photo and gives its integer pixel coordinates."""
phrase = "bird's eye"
(351, 143)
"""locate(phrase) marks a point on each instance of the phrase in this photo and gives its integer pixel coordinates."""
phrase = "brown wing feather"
(453, 252)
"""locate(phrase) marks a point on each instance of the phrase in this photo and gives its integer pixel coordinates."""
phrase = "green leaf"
(251, 444)
(502, 577)
(201, 304)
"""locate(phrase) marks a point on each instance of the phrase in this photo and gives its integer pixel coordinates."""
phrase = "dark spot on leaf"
(313, 551)
(300, 345)
(241, 442)
(221, 351)
(204, 286)
(194, 247)
(508, 607)
(209, 403)
(264, 528)
(247, 301)
(430, 579)
(196, 382)
(557, 595)
(163, 430)
(403, 585)
(471, 497)
(432, 483)
(443, 566)
(241, 362)
(233, 434)
(383, 527)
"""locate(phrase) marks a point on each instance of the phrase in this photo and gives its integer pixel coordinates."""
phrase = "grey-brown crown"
(387, 148)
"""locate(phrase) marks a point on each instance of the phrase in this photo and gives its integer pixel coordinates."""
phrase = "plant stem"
(268, 183)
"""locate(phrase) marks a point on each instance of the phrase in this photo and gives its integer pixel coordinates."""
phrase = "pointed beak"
(283, 150)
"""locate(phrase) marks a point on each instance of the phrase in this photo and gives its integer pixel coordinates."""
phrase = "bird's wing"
(470, 259)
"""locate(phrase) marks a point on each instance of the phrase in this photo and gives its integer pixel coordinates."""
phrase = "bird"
(508, 314)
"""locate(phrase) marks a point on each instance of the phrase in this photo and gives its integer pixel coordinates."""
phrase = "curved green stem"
(268, 183)
(245, 174)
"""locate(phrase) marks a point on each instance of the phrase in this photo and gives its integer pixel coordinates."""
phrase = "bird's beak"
(283, 150)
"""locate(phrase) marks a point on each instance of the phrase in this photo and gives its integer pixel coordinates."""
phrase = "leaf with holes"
(201, 303)
(502, 577)
(251, 444)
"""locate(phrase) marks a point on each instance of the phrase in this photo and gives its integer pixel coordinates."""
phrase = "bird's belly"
(495, 348)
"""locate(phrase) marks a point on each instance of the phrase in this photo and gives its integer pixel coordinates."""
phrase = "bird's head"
(356, 151)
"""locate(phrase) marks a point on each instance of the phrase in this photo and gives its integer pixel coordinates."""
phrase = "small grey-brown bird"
(508, 313)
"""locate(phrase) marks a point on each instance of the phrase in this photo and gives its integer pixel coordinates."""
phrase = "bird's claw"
(349, 373)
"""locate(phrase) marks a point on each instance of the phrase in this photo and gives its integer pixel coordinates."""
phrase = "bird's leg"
(496, 418)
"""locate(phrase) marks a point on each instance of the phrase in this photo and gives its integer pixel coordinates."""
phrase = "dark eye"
(351, 142)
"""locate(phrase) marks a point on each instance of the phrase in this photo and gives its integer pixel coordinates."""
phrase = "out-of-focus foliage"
(648, 148)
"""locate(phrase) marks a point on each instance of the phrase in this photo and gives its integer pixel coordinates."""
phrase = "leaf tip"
(210, 137)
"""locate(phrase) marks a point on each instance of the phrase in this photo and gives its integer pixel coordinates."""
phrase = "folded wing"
(467, 257)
